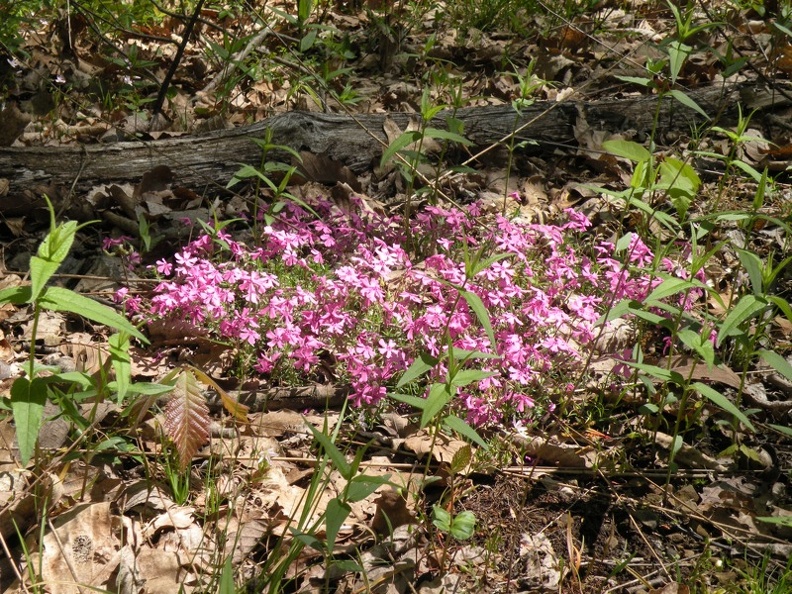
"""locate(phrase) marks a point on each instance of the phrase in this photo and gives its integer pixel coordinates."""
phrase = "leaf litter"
(579, 504)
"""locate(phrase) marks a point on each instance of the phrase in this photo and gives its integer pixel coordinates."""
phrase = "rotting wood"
(206, 163)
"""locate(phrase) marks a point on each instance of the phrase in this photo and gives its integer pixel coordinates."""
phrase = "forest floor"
(669, 474)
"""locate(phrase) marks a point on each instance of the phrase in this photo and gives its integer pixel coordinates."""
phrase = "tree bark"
(206, 163)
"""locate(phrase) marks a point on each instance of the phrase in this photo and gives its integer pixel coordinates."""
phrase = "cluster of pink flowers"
(338, 298)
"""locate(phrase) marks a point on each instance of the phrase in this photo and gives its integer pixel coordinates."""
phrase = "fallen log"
(206, 163)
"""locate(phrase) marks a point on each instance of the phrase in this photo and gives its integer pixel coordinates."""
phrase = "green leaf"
(307, 42)
(644, 82)
(747, 307)
(782, 429)
(364, 485)
(27, 404)
(668, 287)
(446, 135)
(753, 265)
(454, 423)
(414, 401)
(341, 465)
(477, 305)
(439, 396)
(777, 362)
(420, 366)
(337, 513)
(15, 295)
(724, 403)
(51, 253)
(403, 141)
(687, 102)
(119, 356)
(461, 459)
(441, 519)
(226, 585)
(627, 149)
(468, 376)
(463, 525)
(660, 373)
(59, 299)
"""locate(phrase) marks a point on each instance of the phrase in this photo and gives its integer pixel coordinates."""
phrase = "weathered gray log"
(208, 162)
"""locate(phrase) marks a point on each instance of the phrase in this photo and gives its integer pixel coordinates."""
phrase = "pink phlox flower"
(164, 267)
(577, 220)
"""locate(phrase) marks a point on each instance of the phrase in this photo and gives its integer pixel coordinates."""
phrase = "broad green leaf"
(660, 373)
(687, 102)
(782, 429)
(779, 520)
(446, 135)
(335, 516)
(364, 485)
(644, 82)
(439, 397)
(307, 42)
(343, 467)
(59, 299)
(747, 307)
(724, 403)
(753, 265)
(465, 354)
(777, 362)
(627, 149)
(668, 287)
(27, 404)
(779, 302)
(15, 295)
(119, 356)
(477, 305)
(226, 585)
(51, 253)
(403, 141)
(441, 519)
(468, 376)
(463, 525)
(677, 54)
(420, 366)
(454, 423)
(414, 401)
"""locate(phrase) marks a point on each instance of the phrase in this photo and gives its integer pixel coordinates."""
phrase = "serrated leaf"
(60, 299)
(724, 403)
(187, 417)
(236, 408)
(461, 459)
(27, 405)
